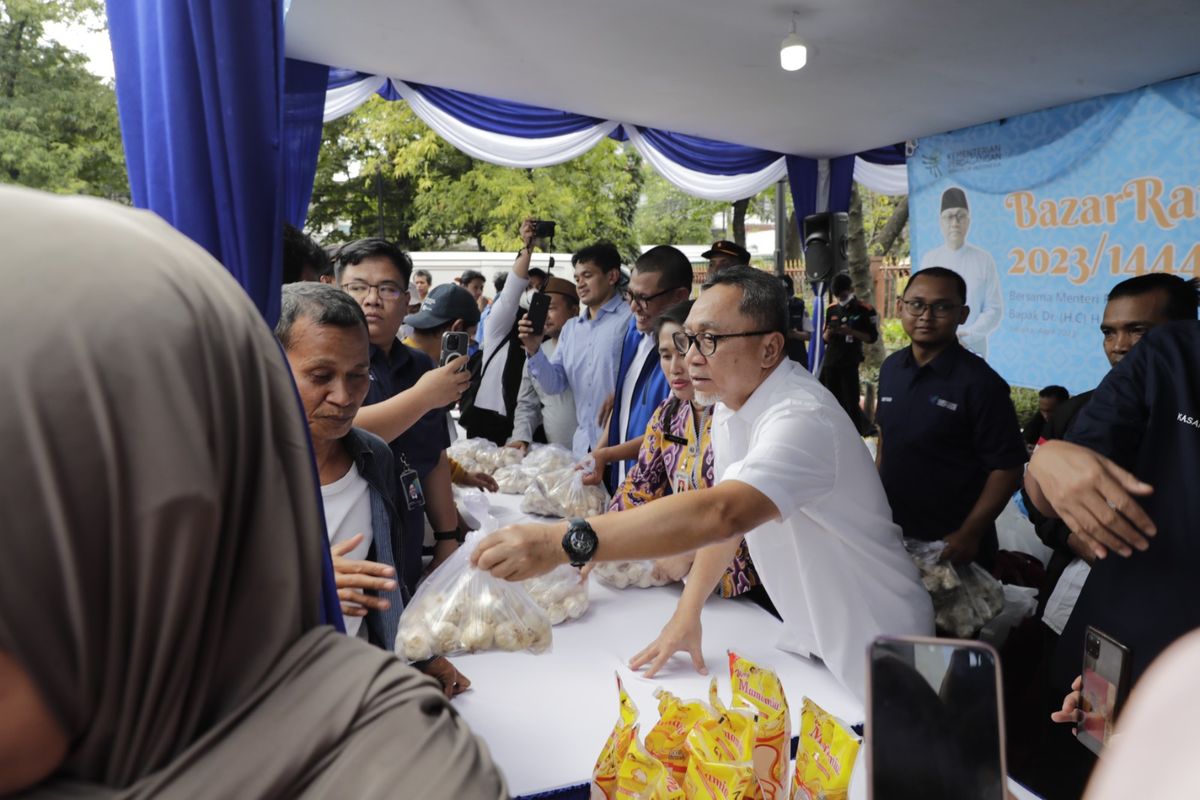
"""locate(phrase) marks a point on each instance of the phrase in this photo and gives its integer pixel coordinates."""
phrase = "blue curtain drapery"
(200, 88)
(303, 112)
(708, 155)
(504, 116)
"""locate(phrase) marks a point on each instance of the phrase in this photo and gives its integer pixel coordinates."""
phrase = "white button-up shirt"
(833, 564)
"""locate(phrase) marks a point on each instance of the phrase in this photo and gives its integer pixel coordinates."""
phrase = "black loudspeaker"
(825, 245)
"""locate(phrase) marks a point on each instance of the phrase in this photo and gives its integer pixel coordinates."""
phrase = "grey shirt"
(535, 406)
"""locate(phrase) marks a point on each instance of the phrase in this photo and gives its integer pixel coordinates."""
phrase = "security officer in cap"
(724, 254)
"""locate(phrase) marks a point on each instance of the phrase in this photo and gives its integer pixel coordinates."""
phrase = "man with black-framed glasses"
(793, 478)
(661, 278)
(950, 449)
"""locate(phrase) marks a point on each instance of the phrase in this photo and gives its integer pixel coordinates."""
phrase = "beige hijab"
(161, 564)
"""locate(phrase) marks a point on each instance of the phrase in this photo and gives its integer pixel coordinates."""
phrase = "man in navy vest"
(661, 278)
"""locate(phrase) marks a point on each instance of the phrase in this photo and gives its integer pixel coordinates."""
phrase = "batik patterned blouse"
(673, 459)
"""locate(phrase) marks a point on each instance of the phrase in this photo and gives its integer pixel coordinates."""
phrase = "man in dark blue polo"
(406, 403)
(950, 450)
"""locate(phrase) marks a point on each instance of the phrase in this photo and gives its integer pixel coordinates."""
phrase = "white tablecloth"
(545, 717)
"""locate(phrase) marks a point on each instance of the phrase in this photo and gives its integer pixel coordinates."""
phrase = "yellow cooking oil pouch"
(666, 741)
(760, 689)
(825, 756)
(604, 775)
(644, 777)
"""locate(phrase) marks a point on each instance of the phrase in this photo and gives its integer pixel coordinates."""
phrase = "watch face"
(583, 542)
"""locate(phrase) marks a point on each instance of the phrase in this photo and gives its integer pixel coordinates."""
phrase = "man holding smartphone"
(489, 412)
(553, 414)
(405, 405)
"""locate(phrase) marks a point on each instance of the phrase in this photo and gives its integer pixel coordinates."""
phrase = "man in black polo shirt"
(406, 403)
(847, 325)
(950, 449)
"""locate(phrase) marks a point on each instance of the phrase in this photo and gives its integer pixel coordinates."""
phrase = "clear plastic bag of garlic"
(561, 593)
(562, 494)
(515, 479)
(624, 574)
(472, 454)
(548, 458)
(462, 609)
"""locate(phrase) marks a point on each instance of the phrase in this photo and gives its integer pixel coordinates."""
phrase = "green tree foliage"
(435, 196)
(667, 215)
(58, 122)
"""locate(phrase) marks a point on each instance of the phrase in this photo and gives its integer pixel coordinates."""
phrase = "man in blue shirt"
(589, 347)
(661, 278)
(406, 402)
(950, 449)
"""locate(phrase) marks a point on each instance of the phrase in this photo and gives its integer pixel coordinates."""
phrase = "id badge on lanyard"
(410, 486)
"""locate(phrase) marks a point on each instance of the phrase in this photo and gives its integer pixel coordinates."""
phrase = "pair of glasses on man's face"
(360, 289)
(643, 300)
(939, 309)
(706, 343)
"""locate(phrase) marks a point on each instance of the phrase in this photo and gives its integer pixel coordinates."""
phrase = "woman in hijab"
(158, 614)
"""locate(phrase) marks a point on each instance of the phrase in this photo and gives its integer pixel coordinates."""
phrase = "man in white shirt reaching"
(793, 478)
(977, 268)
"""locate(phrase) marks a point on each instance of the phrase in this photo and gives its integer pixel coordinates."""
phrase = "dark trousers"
(842, 380)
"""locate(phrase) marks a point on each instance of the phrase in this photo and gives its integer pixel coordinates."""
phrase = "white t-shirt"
(348, 512)
(644, 351)
(978, 269)
(833, 565)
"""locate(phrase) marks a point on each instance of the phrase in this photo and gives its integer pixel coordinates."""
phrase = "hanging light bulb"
(793, 55)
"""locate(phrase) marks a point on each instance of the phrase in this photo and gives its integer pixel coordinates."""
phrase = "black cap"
(954, 197)
(727, 248)
(445, 303)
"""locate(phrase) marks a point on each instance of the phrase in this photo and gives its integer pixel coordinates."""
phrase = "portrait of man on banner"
(975, 265)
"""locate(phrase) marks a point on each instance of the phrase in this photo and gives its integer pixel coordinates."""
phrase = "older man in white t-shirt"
(793, 477)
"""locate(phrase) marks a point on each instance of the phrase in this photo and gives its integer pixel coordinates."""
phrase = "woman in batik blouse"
(676, 455)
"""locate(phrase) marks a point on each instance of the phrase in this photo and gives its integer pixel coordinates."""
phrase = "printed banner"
(1044, 213)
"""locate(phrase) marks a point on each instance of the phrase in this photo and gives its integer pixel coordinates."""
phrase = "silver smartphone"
(454, 344)
(1105, 683)
(935, 728)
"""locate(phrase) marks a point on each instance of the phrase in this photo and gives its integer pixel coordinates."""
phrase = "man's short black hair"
(300, 251)
(1059, 393)
(960, 285)
(537, 272)
(676, 314)
(842, 282)
(320, 302)
(471, 275)
(763, 299)
(1183, 295)
(353, 253)
(423, 273)
(499, 281)
(673, 268)
(602, 254)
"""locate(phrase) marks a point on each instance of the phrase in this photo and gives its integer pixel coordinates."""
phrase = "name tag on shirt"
(941, 402)
(410, 484)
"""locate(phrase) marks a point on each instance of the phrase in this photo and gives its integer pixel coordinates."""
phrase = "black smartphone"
(539, 305)
(454, 344)
(935, 729)
(543, 229)
(1105, 684)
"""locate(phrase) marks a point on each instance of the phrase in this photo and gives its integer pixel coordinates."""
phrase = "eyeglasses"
(939, 309)
(956, 216)
(359, 290)
(706, 343)
(643, 300)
